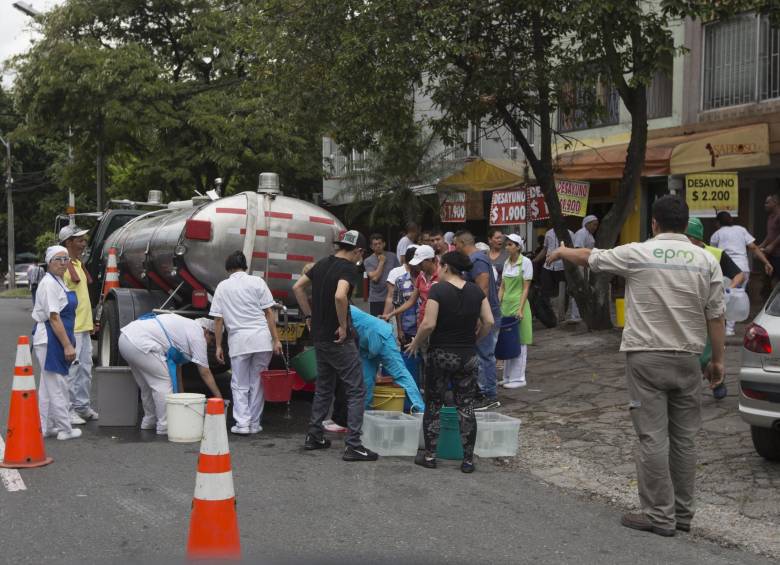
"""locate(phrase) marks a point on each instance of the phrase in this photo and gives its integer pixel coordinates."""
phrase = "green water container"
(449, 446)
(305, 364)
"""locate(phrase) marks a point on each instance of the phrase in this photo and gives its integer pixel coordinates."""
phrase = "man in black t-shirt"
(332, 280)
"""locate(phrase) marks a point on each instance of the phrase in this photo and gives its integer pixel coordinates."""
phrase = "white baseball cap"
(514, 238)
(421, 254)
(71, 231)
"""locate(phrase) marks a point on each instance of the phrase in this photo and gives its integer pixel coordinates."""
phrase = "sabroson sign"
(717, 150)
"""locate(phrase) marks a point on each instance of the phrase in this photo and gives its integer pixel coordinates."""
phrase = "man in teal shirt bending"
(377, 345)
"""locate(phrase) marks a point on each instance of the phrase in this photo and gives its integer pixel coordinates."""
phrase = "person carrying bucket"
(518, 273)
(455, 309)
(155, 347)
(332, 281)
(695, 233)
(54, 342)
(243, 304)
(377, 345)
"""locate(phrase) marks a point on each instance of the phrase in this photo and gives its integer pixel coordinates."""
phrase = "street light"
(9, 181)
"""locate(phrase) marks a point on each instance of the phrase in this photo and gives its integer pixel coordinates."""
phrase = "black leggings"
(458, 367)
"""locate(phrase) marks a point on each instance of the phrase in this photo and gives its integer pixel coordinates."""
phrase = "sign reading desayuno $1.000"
(709, 193)
(452, 207)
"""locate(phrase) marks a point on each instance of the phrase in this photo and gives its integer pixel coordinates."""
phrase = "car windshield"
(773, 304)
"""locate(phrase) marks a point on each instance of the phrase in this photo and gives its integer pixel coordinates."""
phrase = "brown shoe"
(643, 523)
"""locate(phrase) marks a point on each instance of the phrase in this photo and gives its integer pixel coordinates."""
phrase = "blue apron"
(55, 353)
(173, 357)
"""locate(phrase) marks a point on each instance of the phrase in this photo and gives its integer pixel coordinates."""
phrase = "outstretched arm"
(577, 256)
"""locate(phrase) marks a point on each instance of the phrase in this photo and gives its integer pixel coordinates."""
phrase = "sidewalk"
(576, 434)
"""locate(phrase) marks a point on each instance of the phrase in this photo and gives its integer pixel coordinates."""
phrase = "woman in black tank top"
(456, 317)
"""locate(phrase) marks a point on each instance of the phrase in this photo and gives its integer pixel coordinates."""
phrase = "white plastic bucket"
(185, 412)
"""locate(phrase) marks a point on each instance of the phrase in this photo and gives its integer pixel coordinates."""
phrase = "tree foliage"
(500, 63)
(165, 87)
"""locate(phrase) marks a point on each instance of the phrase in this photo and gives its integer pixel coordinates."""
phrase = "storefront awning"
(719, 150)
(487, 174)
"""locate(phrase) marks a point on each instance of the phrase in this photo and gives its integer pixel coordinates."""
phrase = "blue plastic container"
(508, 346)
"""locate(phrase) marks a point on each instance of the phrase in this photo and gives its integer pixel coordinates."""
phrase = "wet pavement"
(576, 433)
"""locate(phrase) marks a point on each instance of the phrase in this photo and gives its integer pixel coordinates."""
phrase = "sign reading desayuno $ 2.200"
(709, 193)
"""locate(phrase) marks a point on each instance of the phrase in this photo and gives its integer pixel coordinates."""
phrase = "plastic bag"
(737, 305)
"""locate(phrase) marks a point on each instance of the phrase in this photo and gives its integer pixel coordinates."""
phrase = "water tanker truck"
(172, 258)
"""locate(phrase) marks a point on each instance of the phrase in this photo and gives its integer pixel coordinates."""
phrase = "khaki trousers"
(664, 388)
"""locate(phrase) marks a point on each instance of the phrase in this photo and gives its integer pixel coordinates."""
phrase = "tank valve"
(269, 183)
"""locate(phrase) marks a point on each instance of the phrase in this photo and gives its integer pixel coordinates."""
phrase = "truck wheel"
(767, 442)
(108, 343)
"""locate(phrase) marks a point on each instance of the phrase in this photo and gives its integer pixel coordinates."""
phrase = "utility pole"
(9, 181)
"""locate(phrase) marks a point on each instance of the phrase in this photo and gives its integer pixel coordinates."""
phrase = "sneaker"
(88, 414)
(255, 428)
(312, 443)
(148, 424)
(730, 333)
(331, 426)
(423, 460)
(486, 404)
(514, 384)
(162, 431)
(76, 420)
(359, 453)
(240, 430)
(642, 523)
(51, 433)
(467, 466)
(72, 434)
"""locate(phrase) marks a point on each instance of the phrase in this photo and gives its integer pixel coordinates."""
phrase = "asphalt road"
(121, 495)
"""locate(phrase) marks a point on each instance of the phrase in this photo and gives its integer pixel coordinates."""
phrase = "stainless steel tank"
(278, 235)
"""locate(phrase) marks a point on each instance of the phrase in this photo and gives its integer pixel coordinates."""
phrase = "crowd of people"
(436, 308)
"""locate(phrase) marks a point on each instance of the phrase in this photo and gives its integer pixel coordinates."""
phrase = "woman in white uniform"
(155, 348)
(243, 304)
(54, 343)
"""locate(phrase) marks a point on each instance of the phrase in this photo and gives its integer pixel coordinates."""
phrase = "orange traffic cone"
(24, 439)
(213, 523)
(112, 273)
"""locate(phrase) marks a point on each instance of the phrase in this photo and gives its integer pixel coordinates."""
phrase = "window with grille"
(659, 91)
(741, 62)
(589, 107)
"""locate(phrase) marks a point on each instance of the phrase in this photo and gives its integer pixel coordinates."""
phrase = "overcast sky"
(15, 29)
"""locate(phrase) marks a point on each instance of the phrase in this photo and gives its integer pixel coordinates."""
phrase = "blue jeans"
(393, 363)
(80, 374)
(486, 350)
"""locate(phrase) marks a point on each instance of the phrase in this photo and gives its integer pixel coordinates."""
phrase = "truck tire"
(108, 343)
(767, 442)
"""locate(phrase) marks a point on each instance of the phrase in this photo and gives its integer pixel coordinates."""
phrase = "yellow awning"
(700, 152)
(487, 174)
(722, 150)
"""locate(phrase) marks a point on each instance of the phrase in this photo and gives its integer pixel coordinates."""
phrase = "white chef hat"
(206, 324)
(54, 250)
(588, 219)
